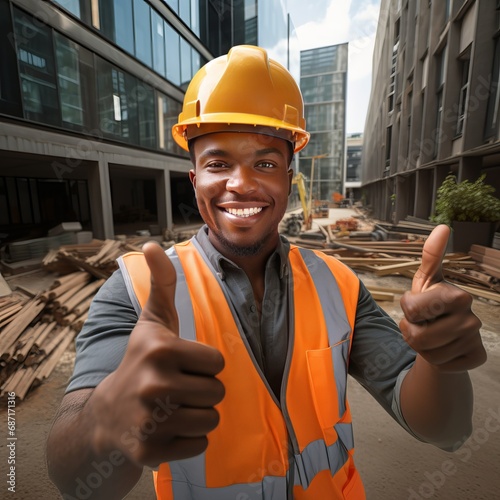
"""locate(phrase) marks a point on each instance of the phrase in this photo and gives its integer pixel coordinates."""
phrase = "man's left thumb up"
(430, 271)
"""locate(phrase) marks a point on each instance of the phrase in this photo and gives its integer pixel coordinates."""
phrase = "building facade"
(434, 105)
(89, 91)
(323, 81)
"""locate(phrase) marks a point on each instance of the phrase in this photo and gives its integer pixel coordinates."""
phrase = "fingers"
(440, 326)
(153, 442)
(435, 302)
(160, 306)
(430, 271)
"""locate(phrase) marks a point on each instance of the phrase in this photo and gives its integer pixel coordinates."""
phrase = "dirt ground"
(394, 466)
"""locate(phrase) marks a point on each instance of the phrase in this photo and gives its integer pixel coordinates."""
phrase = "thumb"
(430, 271)
(160, 306)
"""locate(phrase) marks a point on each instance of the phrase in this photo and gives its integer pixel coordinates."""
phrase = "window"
(68, 75)
(409, 111)
(123, 27)
(388, 145)
(168, 112)
(326, 87)
(494, 97)
(172, 50)
(185, 11)
(72, 6)
(186, 65)
(464, 89)
(36, 69)
(117, 100)
(440, 77)
(158, 42)
(146, 115)
(392, 77)
(142, 32)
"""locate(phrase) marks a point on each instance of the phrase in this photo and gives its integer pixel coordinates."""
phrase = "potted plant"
(470, 209)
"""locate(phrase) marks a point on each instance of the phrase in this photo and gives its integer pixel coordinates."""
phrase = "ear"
(192, 178)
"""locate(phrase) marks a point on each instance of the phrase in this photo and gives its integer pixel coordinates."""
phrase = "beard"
(238, 250)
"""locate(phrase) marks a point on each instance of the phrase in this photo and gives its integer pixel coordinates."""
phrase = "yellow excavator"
(294, 225)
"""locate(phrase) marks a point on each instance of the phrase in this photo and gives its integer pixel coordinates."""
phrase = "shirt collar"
(278, 259)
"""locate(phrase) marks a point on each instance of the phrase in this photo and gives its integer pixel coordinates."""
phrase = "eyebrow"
(213, 152)
(224, 154)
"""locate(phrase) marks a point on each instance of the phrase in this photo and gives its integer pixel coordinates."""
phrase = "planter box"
(466, 234)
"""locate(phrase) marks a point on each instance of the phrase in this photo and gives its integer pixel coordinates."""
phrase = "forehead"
(241, 144)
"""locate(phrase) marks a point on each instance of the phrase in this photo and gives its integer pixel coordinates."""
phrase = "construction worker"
(222, 364)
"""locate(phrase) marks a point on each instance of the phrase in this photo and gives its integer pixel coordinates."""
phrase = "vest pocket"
(327, 392)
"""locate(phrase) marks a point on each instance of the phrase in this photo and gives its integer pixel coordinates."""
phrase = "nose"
(242, 179)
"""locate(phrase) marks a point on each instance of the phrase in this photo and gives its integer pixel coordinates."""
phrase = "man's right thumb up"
(160, 306)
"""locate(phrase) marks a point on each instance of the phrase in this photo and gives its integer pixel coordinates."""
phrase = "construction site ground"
(393, 465)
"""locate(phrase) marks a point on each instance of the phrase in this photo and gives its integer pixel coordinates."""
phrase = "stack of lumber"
(97, 257)
(488, 259)
(36, 331)
(478, 273)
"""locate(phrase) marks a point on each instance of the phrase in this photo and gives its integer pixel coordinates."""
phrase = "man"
(224, 364)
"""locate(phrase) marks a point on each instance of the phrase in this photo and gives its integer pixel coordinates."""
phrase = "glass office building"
(89, 91)
(323, 83)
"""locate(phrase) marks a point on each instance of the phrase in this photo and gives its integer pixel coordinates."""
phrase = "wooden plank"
(382, 296)
(4, 287)
(493, 271)
(396, 268)
(388, 289)
(481, 293)
(482, 250)
(486, 259)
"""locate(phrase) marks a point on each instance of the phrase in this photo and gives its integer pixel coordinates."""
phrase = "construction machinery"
(300, 181)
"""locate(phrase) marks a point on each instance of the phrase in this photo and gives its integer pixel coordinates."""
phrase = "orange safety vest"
(249, 453)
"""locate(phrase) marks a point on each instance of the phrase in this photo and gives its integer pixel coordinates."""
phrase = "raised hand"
(439, 323)
(159, 403)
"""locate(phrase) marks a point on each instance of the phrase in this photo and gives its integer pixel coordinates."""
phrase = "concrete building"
(434, 106)
(323, 81)
(89, 90)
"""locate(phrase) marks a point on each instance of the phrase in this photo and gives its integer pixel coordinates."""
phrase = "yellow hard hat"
(243, 90)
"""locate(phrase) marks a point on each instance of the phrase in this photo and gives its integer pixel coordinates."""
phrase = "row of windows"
(324, 60)
(63, 84)
(325, 116)
(324, 88)
(141, 31)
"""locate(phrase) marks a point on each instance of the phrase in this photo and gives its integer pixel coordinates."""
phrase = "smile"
(244, 212)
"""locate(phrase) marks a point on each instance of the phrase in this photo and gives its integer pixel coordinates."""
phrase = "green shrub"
(466, 201)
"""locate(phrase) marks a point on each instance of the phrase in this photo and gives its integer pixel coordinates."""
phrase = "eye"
(266, 164)
(216, 165)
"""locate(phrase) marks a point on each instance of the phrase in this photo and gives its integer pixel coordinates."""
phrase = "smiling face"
(242, 182)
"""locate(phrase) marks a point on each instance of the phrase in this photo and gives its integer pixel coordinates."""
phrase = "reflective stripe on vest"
(316, 448)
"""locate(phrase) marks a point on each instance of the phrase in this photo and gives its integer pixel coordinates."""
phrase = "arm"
(156, 406)
(436, 394)
(72, 458)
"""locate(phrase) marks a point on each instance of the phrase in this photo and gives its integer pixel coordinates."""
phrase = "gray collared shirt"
(267, 332)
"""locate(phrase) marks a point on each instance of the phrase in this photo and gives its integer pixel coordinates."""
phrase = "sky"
(320, 23)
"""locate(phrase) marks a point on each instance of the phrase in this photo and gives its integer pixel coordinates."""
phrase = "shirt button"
(253, 309)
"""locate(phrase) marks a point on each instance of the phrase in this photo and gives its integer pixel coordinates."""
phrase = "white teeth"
(244, 212)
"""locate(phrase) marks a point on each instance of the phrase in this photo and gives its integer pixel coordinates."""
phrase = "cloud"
(332, 29)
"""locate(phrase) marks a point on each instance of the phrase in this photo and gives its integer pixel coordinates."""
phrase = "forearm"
(75, 466)
(436, 405)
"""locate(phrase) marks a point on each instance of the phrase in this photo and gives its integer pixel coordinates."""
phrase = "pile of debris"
(477, 272)
(36, 331)
(37, 326)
